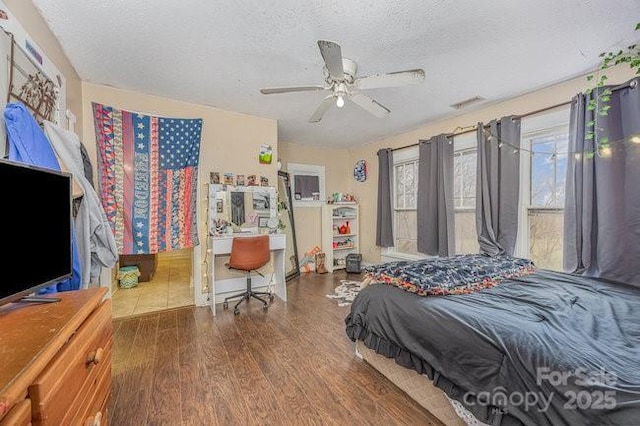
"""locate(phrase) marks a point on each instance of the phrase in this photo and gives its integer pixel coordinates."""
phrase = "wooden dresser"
(55, 361)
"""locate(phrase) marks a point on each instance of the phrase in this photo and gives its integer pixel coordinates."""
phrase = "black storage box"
(353, 263)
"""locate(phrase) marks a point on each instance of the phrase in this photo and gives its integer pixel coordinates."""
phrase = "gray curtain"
(602, 204)
(384, 226)
(498, 186)
(435, 209)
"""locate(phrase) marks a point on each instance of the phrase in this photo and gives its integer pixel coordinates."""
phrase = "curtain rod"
(469, 129)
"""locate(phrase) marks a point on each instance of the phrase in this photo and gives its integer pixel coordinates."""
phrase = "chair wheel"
(265, 307)
(271, 297)
(236, 312)
(225, 305)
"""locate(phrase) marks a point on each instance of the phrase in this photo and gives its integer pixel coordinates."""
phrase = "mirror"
(287, 225)
(242, 208)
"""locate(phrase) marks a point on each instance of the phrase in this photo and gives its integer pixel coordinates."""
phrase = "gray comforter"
(545, 349)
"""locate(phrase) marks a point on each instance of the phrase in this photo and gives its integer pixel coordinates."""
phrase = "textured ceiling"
(220, 53)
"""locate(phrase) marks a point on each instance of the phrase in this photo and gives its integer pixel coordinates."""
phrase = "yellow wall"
(230, 141)
(32, 22)
(308, 220)
(366, 192)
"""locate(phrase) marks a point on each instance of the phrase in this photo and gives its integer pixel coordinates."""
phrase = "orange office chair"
(248, 254)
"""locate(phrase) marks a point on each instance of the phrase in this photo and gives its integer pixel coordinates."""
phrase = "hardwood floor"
(293, 365)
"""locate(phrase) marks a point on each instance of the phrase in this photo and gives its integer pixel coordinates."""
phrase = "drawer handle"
(95, 357)
(95, 420)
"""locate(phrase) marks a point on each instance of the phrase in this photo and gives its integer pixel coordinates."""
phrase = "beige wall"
(337, 175)
(366, 192)
(230, 141)
(29, 17)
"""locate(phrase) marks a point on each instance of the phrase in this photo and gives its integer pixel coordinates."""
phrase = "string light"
(603, 148)
(205, 263)
(605, 151)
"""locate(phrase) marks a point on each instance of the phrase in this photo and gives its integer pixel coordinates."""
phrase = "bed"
(544, 348)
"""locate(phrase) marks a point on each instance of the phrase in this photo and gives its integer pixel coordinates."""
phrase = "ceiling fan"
(341, 80)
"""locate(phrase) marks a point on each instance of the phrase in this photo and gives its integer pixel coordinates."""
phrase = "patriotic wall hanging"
(148, 168)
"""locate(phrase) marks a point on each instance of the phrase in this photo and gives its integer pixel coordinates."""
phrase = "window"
(543, 172)
(307, 187)
(405, 192)
(307, 184)
(464, 193)
(405, 184)
(542, 189)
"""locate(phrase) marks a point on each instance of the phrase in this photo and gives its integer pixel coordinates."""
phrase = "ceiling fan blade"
(332, 55)
(324, 106)
(392, 79)
(273, 90)
(369, 105)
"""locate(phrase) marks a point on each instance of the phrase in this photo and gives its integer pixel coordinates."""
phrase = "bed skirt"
(418, 387)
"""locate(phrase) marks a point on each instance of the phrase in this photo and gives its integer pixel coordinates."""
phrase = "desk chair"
(248, 254)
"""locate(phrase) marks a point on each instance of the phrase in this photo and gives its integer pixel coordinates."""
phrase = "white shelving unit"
(338, 245)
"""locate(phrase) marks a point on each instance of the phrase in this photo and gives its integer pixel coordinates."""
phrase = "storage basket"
(128, 276)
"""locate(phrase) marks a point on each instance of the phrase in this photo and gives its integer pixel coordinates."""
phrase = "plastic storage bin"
(353, 263)
(128, 276)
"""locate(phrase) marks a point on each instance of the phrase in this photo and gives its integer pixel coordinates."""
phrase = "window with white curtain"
(543, 173)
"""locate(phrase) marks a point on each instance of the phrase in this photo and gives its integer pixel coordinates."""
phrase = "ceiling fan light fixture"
(344, 85)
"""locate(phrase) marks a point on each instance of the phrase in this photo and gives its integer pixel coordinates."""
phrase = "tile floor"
(170, 288)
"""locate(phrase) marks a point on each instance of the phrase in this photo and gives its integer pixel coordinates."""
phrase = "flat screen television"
(35, 225)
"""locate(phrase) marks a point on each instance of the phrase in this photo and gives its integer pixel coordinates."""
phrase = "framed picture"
(219, 206)
(264, 181)
(251, 180)
(261, 201)
(228, 178)
(263, 222)
(214, 178)
(240, 180)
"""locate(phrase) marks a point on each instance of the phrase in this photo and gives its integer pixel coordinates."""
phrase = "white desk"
(221, 245)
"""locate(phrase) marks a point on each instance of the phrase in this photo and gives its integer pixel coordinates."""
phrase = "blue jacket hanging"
(29, 145)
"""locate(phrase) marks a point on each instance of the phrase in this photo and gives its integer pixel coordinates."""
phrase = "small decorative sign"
(266, 154)
(360, 171)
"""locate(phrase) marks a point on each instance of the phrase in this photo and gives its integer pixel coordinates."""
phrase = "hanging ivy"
(600, 102)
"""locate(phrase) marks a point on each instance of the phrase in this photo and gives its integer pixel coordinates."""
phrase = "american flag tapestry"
(148, 168)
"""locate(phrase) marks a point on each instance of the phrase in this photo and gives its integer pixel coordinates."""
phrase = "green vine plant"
(601, 101)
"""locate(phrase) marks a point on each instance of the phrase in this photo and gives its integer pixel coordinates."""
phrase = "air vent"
(467, 102)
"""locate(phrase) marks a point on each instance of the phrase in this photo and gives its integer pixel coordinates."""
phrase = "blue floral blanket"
(460, 274)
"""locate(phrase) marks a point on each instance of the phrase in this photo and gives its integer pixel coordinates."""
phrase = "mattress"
(419, 388)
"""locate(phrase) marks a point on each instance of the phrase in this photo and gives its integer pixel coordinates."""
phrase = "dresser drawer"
(20, 415)
(94, 390)
(94, 409)
(78, 363)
